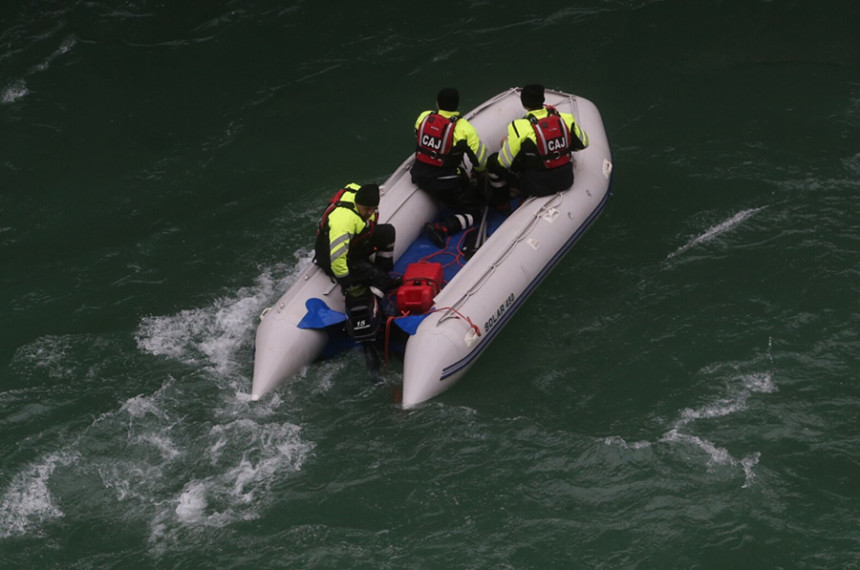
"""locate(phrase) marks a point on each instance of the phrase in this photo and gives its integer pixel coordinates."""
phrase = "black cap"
(367, 195)
(532, 96)
(448, 99)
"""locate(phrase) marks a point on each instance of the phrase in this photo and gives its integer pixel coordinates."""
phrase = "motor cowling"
(363, 317)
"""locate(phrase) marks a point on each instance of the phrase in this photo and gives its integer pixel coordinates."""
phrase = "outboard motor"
(363, 317)
(363, 321)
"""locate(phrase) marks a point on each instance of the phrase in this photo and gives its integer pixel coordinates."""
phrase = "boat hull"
(483, 296)
(495, 284)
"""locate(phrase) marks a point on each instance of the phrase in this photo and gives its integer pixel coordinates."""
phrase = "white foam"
(142, 425)
(27, 503)
(13, 92)
(748, 463)
(268, 448)
(140, 406)
(736, 402)
(179, 476)
(162, 443)
(715, 410)
(214, 335)
(225, 471)
(620, 442)
(716, 230)
(246, 458)
(739, 389)
(128, 479)
(46, 355)
(852, 163)
(192, 502)
(761, 383)
(65, 47)
(716, 455)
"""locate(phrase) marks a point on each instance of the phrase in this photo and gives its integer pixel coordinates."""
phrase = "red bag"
(421, 282)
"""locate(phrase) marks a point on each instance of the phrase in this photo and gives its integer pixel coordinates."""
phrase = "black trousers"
(545, 182)
(447, 186)
(530, 181)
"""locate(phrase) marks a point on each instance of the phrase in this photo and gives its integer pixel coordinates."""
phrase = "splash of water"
(28, 502)
(13, 92)
(215, 335)
(716, 230)
(741, 389)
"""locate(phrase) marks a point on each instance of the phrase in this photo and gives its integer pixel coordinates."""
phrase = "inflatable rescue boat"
(453, 302)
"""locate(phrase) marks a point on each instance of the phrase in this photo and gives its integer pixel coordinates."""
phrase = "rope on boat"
(552, 202)
(391, 319)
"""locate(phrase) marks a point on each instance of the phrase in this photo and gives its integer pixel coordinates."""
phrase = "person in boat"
(349, 235)
(443, 139)
(535, 158)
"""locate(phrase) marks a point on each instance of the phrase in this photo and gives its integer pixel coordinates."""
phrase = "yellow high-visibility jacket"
(465, 136)
(344, 225)
(521, 130)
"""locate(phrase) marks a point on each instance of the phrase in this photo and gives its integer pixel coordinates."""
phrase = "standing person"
(443, 139)
(348, 236)
(535, 157)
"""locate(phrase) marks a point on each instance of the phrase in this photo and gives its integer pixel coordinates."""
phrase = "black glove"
(351, 288)
(355, 290)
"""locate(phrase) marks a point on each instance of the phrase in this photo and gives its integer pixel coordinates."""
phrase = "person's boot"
(394, 283)
(384, 263)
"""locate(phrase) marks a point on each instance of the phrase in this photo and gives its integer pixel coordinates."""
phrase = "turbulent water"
(681, 392)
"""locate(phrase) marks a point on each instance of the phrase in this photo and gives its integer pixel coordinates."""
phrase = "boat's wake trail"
(178, 459)
(716, 230)
(215, 336)
(742, 385)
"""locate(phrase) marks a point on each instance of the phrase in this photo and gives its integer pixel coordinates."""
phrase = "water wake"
(28, 503)
(721, 408)
(13, 92)
(160, 468)
(245, 458)
(215, 336)
(168, 458)
(17, 89)
(65, 47)
(740, 388)
(716, 230)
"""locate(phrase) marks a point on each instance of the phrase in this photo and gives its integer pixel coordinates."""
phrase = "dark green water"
(681, 392)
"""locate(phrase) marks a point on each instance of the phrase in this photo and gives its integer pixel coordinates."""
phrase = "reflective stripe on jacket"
(344, 225)
(520, 131)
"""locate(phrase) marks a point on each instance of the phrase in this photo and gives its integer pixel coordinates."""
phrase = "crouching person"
(358, 253)
(351, 247)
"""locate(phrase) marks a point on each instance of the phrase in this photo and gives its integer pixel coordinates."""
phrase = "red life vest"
(553, 138)
(333, 203)
(435, 139)
(336, 202)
